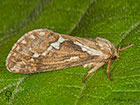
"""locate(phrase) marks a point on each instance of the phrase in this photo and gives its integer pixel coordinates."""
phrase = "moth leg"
(108, 70)
(93, 70)
(118, 49)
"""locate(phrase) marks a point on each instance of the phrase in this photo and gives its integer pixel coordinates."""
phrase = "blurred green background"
(115, 20)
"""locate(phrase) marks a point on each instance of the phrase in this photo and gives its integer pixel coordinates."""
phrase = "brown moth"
(42, 50)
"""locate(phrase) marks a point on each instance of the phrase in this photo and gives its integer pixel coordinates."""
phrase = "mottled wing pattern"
(42, 50)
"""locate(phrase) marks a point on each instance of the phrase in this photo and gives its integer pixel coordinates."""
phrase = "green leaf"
(115, 20)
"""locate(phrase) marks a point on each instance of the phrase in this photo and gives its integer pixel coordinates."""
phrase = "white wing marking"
(88, 50)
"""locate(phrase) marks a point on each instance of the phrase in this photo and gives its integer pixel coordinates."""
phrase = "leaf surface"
(115, 20)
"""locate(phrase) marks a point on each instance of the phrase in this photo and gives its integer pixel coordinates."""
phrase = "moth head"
(115, 57)
(109, 49)
(116, 52)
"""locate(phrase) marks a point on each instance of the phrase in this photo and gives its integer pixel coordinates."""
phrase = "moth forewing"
(42, 50)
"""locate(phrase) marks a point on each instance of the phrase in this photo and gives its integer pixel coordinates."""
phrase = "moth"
(43, 50)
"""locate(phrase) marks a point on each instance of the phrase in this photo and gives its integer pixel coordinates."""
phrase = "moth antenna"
(118, 49)
(108, 70)
(121, 49)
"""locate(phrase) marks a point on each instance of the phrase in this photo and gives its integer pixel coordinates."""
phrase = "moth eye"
(114, 58)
